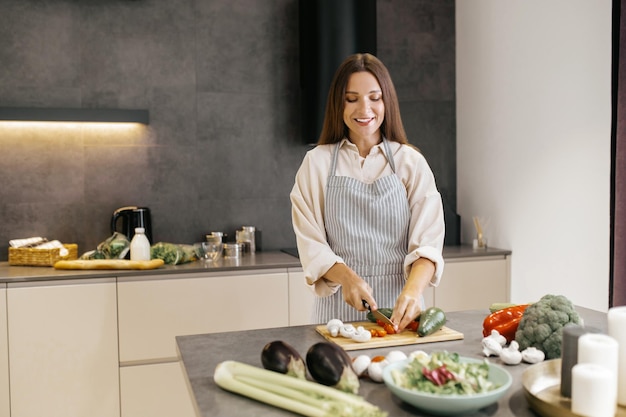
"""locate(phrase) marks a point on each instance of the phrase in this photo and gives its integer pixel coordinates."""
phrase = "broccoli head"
(542, 324)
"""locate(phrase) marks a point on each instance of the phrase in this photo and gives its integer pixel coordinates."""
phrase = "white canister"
(617, 330)
(593, 394)
(601, 350)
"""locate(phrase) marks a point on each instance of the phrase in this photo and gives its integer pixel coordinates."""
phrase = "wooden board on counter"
(109, 264)
(406, 337)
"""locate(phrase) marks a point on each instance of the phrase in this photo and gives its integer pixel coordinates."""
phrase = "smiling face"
(364, 109)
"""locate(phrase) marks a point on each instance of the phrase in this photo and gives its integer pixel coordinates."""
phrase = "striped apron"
(367, 226)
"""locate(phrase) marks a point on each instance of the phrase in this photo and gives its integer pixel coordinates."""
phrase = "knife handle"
(366, 305)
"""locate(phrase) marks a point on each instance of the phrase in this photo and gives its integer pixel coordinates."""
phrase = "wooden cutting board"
(108, 264)
(406, 337)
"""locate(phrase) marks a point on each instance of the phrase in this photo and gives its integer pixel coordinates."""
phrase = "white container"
(617, 330)
(140, 246)
(593, 390)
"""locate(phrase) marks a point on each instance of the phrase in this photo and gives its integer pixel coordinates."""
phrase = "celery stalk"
(300, 396)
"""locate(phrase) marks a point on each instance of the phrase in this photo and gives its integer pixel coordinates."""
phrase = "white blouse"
(426, 228)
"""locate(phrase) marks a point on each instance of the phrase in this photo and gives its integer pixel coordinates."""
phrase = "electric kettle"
(131, 217)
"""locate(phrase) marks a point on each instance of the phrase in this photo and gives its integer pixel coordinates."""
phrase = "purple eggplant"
(330, 365)
(281, 357)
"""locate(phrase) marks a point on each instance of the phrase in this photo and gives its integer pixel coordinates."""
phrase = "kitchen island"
(200, 354)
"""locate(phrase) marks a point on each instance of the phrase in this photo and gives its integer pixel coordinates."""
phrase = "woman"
(366, 211)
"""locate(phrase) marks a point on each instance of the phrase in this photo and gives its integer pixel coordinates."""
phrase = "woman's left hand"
(408, 307)
(409, 303)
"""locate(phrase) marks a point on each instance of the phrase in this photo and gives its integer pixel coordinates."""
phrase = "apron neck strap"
(386, 152)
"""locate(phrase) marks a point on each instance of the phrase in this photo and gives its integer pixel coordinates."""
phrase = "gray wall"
(220, 79)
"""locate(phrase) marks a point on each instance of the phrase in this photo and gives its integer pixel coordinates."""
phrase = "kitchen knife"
(378, 315)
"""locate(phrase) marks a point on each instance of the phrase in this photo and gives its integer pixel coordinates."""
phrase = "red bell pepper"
(505, 321)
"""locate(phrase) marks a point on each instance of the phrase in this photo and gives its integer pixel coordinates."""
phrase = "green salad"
(444, 373)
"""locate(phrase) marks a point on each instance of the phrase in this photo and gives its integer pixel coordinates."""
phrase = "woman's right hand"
(353, 287)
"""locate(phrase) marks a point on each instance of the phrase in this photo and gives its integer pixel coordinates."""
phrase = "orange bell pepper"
(505, 321)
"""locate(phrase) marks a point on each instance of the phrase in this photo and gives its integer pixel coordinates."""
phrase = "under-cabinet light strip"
(74, 115)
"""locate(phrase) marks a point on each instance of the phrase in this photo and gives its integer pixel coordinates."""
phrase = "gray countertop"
(200, 354)
(259, 260)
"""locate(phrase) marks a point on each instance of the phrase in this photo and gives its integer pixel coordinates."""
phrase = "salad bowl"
(445, 404)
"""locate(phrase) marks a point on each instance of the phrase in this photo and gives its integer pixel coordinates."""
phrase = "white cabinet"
(5, 410)
(473, 283)
(158, 389)
(153, 310)
(63, 348)
(429, 296)
(300, 299)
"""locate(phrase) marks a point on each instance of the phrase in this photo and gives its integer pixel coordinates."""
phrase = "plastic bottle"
(140, 246)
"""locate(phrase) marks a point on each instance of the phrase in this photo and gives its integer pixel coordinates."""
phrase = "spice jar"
(233, 250)
(246, 236)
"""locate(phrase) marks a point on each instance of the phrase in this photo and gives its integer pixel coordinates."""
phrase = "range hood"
(330, 31)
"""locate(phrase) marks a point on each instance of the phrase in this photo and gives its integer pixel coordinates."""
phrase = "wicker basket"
(41, 257)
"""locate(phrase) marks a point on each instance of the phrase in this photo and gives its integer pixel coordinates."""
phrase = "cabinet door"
(156, 390)
(4, 356)
(472, 284)
(429, 296)
(63, 349)
(155, 309)
(300, 299)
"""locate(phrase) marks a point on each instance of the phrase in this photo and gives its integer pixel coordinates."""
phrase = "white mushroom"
(395, 356)
(375, 370)
(360, 364)
(498, 337)
(511, 355)
(347, 330)
(533, 355)
(491, 347)
(333, 327)
(420, 356)
(361, 335)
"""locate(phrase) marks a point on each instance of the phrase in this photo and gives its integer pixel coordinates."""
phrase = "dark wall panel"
(221, 81)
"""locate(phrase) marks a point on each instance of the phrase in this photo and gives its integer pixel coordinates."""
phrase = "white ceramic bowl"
(448, 405)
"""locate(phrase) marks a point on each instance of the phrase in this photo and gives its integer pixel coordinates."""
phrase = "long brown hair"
(334, 129)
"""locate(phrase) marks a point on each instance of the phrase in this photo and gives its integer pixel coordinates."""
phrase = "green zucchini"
(431, 320)
(386, 311)
(500, 306)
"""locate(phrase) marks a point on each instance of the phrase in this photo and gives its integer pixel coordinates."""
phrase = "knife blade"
(377, 314)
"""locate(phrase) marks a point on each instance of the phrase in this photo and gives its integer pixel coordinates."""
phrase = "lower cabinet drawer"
(154, 310)
(157, 390)
(473, 284)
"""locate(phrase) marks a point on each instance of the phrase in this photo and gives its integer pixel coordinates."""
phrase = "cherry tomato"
(381, 332)
(389, 329)
(413, 325)
(378, 358)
